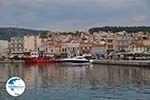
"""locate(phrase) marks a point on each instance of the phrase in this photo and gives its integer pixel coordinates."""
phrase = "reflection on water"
(89, 82)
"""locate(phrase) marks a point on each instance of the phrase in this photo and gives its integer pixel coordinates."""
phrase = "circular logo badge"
(15, 86)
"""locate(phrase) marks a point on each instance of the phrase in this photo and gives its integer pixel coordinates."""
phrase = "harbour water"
(75, 82)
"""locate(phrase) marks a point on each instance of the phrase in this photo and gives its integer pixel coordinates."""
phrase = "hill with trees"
(5, 33)
(114, 29)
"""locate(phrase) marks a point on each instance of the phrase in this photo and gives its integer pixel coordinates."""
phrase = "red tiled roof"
(137, 44)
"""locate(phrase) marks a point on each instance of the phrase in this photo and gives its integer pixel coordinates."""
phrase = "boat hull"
(75, 61)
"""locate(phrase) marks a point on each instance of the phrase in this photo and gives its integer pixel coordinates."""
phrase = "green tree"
(44, 35)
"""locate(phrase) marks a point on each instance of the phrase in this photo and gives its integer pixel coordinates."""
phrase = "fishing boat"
(36, 57)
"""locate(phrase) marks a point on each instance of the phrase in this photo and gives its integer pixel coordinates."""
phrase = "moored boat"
(78, 59)
(35, 57)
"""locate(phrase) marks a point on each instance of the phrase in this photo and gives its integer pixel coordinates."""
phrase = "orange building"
(110, 44)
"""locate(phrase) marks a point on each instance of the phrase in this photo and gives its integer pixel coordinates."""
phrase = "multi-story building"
(64, 50)
(141, 36)
(110, 44)
(3, 47)
(98, 51)
(54, 49)
(3, 44)
(85, 47)
(51, 49)
(123, 40)
(139, 46)
(71, 49)
(16, 44)
(31, 43)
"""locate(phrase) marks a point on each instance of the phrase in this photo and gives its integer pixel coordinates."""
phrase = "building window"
(62, 49)
(46, 49)
(73, 49)
(141, 49)
(65, 49)
(137, 49)
(110, 41)
(110, 47)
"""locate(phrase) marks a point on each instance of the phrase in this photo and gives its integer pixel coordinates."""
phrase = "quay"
(140, 63)
(12, 61)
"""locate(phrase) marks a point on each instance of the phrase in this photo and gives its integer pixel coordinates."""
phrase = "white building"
(139, 46)
(31, 43)
(3, 46)
(98, 51)
(16, 44)
(72, 49)
(123, 40)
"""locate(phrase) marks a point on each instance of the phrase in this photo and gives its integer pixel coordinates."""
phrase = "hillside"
(118, 29)
(5, 33)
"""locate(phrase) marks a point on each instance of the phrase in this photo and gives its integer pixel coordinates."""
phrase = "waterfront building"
(31, 43)
(4, 47)
(70, 49)
(110, 43)
(64, 51)
(54, 49)
(107, 39)
(123, 40)
(43, 48)
(85, 47)
(139, 46)
(98, 51)
(16, 44)
(50, 49)
(3, 44)
(138, 49)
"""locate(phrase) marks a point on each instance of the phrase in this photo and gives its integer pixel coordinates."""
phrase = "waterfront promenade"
(143, 63)
(12, 61)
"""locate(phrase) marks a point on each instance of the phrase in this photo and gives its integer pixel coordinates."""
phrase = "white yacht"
(78, 59)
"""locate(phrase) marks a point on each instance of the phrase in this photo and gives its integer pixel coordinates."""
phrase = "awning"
(20, 56)
(146, 53)
(134, 52)
(11, 56)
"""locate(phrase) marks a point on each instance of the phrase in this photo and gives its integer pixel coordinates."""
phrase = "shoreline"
(138, 63)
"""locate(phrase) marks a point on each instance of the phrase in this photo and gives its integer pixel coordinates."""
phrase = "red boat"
(35, 57)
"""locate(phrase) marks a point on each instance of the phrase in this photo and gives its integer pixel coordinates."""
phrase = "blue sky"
(69, 15)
